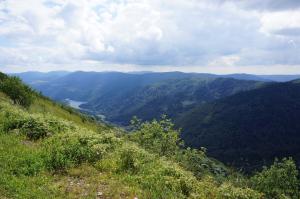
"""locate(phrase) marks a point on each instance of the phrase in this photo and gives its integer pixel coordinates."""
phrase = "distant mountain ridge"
(120, 96)
(34, 75)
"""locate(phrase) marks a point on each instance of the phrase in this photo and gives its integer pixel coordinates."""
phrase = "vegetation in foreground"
(55, 155)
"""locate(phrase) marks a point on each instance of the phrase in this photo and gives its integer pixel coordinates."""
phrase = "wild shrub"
(228, 191)
(278, 181)
(71, 149)
(162, 138)
(61, 154)
(3, 76)
(10, 121)
(195, 160)
(19, 93)
(157, 136)
(167, 180)
(35, 129)
(132, 158)
(34, 126)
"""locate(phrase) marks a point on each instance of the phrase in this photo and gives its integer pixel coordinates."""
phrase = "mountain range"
(120, 96)
(243, 120)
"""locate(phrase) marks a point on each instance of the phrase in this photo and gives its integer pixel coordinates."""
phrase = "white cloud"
(147, 34)
(230, 60)
(274, 21)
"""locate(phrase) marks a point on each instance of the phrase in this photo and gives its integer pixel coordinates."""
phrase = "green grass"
(22, 175)
(20, 169)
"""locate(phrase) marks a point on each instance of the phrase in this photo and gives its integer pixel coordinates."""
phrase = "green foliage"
(20, 93)
(3, 77)
(34, 126)
(195, 160)
(28, 162)
(132, 158)
(21, 167)
(162, 138)
(157, 136)
(278, 181)
(65, 150)
(129, 160)
(227, 191)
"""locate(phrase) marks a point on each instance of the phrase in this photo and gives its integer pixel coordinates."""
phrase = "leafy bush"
(71, 149)
(3, 76)
(278, 181)
(162, 138)
(11, 121)
(35, 129)
(227, 191)
(34, 126)
(157, 136)
(195, 160)
(132, 158)
(20, 93)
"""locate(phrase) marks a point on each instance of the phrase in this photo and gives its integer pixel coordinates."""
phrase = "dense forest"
(250, 128)
(50, 150)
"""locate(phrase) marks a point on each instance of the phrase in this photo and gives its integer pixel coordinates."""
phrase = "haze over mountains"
(243, 120)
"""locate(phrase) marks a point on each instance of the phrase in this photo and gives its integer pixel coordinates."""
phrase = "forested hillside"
(250, 128)
(51, 151)
(170, 97)
(120, 96)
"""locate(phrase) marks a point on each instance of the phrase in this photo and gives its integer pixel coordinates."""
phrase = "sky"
(213, 36)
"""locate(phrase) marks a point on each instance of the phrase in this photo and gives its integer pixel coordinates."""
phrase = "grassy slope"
(17, 149)
(122, 170)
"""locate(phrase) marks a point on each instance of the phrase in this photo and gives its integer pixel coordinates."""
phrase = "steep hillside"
(250, 128)
(46, 152)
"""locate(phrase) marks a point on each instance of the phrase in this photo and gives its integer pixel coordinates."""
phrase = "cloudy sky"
(216, 36)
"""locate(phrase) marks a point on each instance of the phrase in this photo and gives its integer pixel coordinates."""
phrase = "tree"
(17, 91)
(278, 181)
(3, 76)
(158, 136)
